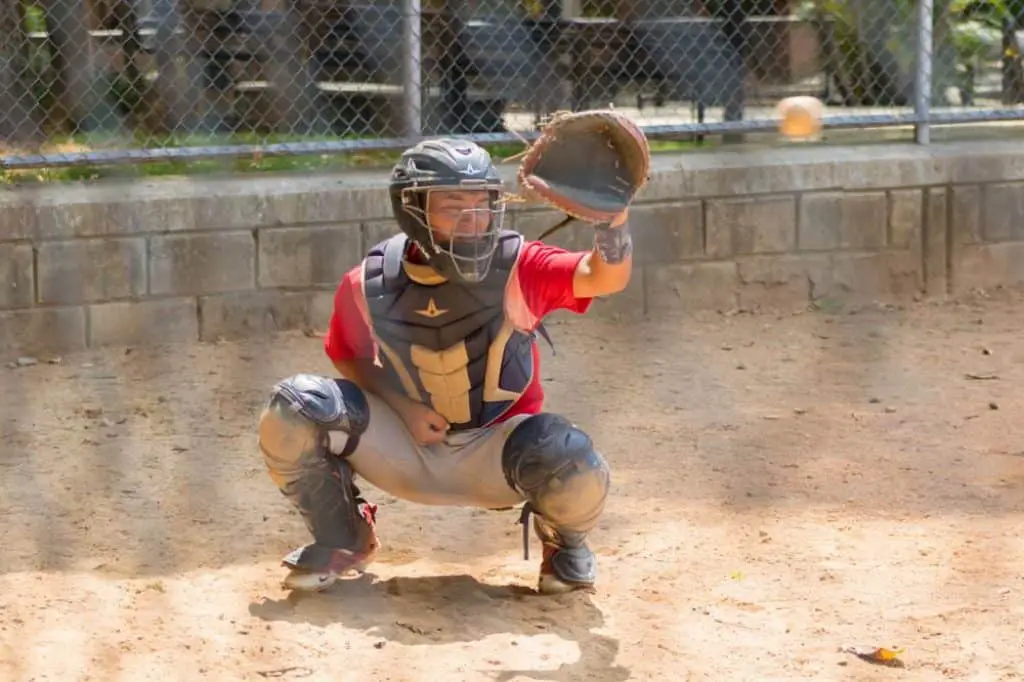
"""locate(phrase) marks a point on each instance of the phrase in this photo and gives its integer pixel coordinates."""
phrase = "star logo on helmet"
(469, 170)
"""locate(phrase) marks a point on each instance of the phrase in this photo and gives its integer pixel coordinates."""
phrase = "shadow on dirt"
(426, 611)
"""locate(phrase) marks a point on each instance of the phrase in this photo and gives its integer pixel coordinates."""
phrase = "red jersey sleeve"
(348, 334)
(545, 276)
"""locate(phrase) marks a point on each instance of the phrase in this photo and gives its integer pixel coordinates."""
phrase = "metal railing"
(119, 82)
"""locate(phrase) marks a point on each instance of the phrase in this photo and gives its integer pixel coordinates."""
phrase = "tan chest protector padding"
(448, 345)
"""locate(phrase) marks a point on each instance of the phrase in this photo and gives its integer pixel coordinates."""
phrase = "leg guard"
(293, 437)
(565, 482)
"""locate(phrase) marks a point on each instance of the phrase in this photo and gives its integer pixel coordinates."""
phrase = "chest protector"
(444, 344)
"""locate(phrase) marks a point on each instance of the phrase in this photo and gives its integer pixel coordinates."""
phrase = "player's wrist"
(613, 243)
(396, 400)
(621, 220)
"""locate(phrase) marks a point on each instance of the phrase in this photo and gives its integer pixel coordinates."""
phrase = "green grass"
(305, 163)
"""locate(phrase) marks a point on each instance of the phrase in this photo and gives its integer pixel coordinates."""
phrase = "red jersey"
(539, 284)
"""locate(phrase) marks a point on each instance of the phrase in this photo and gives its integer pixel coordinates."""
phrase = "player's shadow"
(423, 611)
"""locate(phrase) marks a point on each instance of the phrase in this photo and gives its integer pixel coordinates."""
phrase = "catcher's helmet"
(449, 165)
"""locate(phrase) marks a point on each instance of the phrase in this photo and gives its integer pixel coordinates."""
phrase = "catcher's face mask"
(463, 225)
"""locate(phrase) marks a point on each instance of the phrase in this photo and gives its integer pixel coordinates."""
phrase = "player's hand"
(426, 426)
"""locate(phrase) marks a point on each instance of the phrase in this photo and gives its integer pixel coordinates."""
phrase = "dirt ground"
(784, 485)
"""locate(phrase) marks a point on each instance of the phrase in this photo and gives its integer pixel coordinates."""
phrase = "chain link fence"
(125, 81)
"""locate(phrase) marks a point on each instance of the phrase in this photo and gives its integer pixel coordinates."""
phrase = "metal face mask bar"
(472, 235)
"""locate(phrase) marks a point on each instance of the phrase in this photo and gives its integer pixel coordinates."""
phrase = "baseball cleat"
(341, 563)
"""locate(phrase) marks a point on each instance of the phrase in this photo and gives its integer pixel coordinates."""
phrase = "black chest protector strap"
(543, 331)
(394, 255)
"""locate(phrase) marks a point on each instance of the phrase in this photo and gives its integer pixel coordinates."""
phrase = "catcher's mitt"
(589, 164)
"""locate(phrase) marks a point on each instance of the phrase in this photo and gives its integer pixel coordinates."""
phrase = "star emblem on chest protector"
(432, 310)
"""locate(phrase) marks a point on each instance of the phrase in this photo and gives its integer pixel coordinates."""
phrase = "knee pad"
(556, 469)
(331, 404)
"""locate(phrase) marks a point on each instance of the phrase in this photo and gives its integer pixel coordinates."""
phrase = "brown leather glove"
(588, 164)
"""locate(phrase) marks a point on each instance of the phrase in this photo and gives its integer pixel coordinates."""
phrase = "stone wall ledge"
(184, 259)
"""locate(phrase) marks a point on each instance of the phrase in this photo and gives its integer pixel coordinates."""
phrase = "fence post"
(412, 50)
(923, 76)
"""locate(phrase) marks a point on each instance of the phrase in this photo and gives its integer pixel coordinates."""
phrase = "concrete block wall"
(200, 259)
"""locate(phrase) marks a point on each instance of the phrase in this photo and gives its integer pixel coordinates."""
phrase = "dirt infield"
(785, 485)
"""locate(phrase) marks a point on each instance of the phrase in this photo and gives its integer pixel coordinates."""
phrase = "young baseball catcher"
(439, 399)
